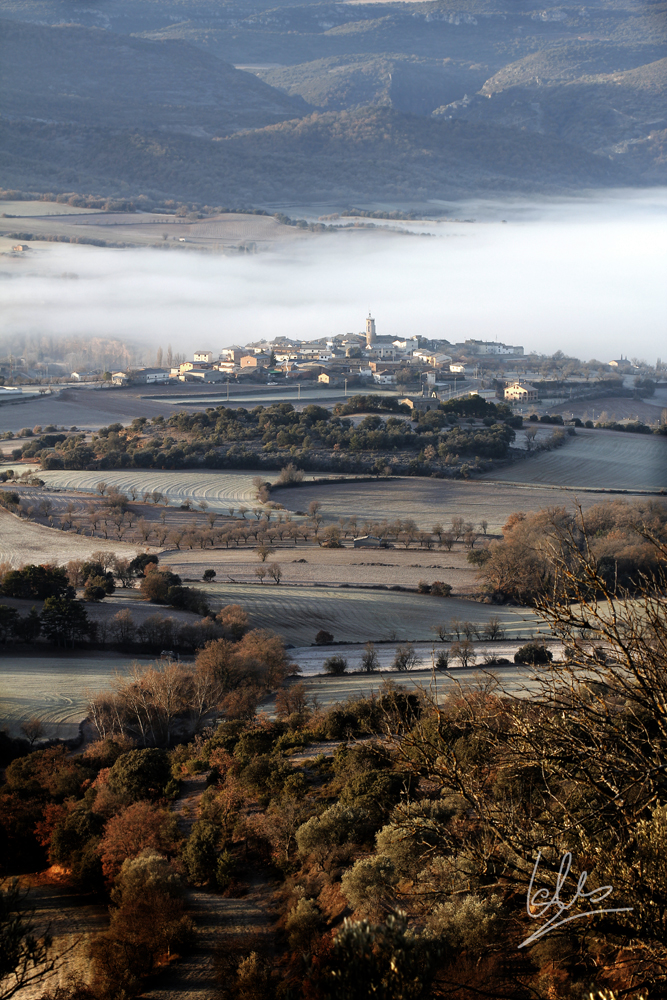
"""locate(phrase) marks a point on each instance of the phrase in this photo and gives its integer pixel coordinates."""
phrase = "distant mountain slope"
(89, 76)
(141, 97)
(604, 112)
(364, 154)
(571, 60)
(409, 83)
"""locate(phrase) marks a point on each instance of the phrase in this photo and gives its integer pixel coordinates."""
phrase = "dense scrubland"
(315, 438)
(398, 852)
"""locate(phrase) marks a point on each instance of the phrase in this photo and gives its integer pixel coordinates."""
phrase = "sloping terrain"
(605, 113)
(128, 98)
(368, 153)
(408, 83)
(86, 76)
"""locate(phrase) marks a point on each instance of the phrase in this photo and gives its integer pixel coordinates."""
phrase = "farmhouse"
(421, 403)
(369, 542)
(206, 356)
(521, 392)
(621, 364)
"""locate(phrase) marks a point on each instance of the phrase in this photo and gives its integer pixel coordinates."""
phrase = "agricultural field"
(325, 567)
(219, 490)
(328, 691)
(89, 409)
(219, 233)
(298, 613)
(427, 501)
(608, 408)
(45, 209)
(309, 659)
(54, 688)
(23, 541)
(595, 459)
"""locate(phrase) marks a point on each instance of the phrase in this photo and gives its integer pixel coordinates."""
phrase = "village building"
(621, 364)
(486, 347)
(384, 377)
(422, 404)
(254, 360)
(521, 392)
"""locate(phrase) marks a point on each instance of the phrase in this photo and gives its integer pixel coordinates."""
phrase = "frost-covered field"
(298, 613)
(427, 501)
(596, 459)
(24, 542)
(55, 687)
(219, 490)
(518, 681)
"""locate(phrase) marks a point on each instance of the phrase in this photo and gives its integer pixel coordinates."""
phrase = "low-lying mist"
(584, 277)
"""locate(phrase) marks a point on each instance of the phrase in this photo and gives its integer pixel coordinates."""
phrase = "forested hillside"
(336, 102)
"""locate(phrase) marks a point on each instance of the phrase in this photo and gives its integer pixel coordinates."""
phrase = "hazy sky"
(586, 277)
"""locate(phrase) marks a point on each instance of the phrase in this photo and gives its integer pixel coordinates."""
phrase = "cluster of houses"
(352, 357)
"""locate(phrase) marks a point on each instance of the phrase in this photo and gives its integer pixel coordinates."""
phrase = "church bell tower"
(370, 331)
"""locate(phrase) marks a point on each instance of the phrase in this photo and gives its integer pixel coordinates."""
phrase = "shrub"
(200, 854)
(335, 665)
(323, 638)
(440, 589)
(140, 774)
(156, 584)
(335, 826)
(64, 621)
(304, 924)
(369, 884)
(423, 587)
(209, 575)
(95, 589)
(533, 653)
(36, 582)
(441, 661)
(137, 827)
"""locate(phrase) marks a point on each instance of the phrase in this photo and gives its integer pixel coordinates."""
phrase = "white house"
(384, 377)
(521, 392)
(206, 356)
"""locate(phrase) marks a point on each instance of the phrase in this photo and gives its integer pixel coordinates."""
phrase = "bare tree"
(458, 527)
(463, 651)
(33, 730)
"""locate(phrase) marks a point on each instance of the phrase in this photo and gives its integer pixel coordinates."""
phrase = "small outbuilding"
(369, 542)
